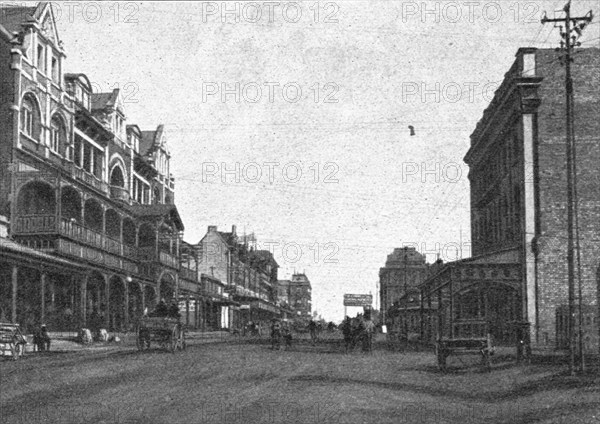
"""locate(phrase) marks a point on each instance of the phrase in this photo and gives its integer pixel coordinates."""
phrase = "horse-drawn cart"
(167, 332)
(12, 341)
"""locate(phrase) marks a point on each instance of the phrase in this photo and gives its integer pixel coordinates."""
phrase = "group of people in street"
(358, 330)
(41, 339)
(280, 332)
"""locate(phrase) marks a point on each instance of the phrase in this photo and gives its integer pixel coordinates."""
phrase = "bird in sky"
(412, 130)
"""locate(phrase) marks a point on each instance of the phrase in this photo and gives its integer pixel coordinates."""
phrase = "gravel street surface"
(233, 380)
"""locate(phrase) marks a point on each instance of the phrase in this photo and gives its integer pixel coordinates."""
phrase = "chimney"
(233, 228)
(212, 228)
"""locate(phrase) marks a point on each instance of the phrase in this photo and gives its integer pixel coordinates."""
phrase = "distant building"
(283, 292)
(300, 296)
(250, 277)
(405, 269)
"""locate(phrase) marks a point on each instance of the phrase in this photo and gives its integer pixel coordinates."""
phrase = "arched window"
(116, 177)
(58, 134)
(36, 198)
(30, 117)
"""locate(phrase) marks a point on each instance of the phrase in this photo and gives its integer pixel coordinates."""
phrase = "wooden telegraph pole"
(573, 28)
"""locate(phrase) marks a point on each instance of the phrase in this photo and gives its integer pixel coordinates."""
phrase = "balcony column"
(15, 274)
(81, 152)
(43, 297)
(121, 238)
(156, 240)
(187, 310)
(126, 309)
(196, 304)
(143, 290)
(58, 202)
(107, 299)
(103, 220)
(83, 301)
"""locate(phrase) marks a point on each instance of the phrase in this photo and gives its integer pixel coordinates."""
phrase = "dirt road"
(231, 382)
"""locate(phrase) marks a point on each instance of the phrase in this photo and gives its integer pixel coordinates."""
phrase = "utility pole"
(405, 296)
(573, 28)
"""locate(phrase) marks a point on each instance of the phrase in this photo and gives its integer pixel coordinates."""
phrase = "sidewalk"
(66, 342)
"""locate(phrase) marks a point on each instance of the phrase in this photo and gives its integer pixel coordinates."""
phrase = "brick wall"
(552, 208)
(6, 123)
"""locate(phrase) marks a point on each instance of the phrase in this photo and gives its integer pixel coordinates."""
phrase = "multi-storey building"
(300, 296)
(250, 277)
(94, 237)
(405, 269)
(283, 292)
(517, 172)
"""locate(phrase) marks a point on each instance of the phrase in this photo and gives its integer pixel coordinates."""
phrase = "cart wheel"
(181, 341)
(15, 352)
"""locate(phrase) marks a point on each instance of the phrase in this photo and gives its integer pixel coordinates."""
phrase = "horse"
(352, 333)
(287, 335)
(276, 335)
(367, 336)
(85, 336)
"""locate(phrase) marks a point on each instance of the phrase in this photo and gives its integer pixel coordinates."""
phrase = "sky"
(291, 120)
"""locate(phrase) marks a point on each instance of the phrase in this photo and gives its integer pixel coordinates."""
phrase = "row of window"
(500, 220)
(141, 191)
(88, 157)
(85, 155)
(498, 164)
(81, 95)
(44, 52)
(31, 125)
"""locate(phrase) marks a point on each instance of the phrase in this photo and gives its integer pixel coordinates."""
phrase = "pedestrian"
(161, 310)
(312, 327)
(43, 339)
(367, 340)
(173, 311)
(275, 333)
(287, 334)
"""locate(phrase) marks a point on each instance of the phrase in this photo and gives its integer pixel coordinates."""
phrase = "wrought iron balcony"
(168, 259)
(82, 234)
(188, 273)
(88, 179)
(35, 224)
(149, 254)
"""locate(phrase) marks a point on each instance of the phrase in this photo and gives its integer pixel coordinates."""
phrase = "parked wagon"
(473, 338)
(167, 333)
(12, 341)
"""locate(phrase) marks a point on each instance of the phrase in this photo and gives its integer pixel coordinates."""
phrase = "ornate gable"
(45, 15)
(161, 139)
